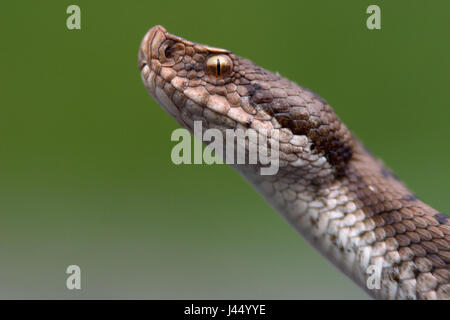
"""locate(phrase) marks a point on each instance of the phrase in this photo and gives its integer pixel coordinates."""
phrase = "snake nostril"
(168, 52)
(172, 51)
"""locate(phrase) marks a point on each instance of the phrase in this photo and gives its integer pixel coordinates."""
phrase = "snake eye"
(219, 66)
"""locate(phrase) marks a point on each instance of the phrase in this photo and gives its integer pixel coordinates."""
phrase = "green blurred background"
(85, 170)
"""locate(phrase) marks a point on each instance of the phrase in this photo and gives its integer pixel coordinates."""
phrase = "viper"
(329, 187)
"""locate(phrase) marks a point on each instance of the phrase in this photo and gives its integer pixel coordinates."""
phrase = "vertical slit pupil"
(218, 67)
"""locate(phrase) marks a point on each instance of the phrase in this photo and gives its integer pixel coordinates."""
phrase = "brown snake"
(338, 196)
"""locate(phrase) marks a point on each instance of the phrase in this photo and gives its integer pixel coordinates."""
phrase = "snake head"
(195, 82)
(178, 72)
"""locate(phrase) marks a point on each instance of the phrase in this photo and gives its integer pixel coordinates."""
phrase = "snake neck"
(367, 219)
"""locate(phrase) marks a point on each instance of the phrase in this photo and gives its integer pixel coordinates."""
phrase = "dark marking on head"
(416, 272)
(251, 90)
(267, 109)
(442, 218)
(393, 276)
(410, 197)
(279, 105)
(388, 173)
(259, 95)
(316, 182)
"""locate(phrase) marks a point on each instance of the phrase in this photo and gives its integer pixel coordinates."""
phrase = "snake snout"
(151, 44)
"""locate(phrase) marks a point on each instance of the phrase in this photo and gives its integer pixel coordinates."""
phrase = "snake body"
(333, 191)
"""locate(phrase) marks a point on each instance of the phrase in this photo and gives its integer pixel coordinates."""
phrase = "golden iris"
(219, 66)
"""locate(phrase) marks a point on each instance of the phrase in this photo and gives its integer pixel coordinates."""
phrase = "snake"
(331, 189)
